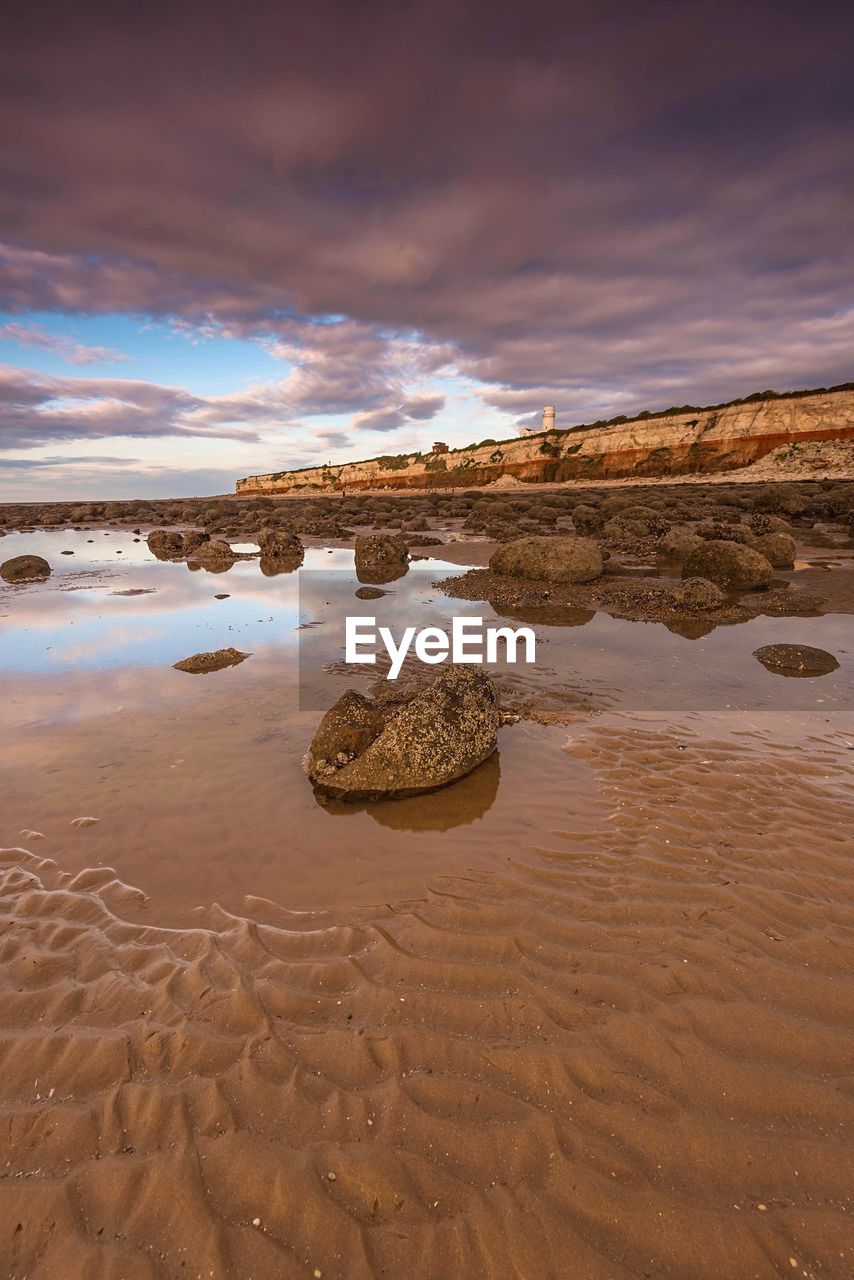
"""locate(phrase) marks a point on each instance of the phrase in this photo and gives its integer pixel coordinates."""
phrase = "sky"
(243, 238)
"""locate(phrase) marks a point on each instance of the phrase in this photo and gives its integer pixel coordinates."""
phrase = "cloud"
(602, 206)
(336, 368)
(36, 408)
(378, 420)
(334, 439)
(423, 408)
(93, 461)
(70, 350)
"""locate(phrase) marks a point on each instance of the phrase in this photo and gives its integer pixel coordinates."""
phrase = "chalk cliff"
(697, 440)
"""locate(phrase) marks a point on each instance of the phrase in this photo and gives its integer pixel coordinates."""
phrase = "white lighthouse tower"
(549, 418)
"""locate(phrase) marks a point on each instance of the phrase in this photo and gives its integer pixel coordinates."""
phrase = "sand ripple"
(629, 1054)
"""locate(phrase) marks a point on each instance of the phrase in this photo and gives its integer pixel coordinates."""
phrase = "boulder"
(729, 565)
(624, 532)
(364, 751)
(280, 544)
(796, 660)
(25, 569)
(166, 545)
(779, 548)
(558, 559)
(718, 531)
(586, 518)
(347, 729)
(381, 550)
(779, 498)
(192, 540)
(653, 522)
(214, 552)
(678, 543)
(698, 595)
(762, 522)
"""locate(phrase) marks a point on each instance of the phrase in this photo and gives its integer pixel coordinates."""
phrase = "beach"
(594, 1001)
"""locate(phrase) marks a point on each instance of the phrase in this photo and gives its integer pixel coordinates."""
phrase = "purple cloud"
(70, 350)
(604, 208)
(36, 408)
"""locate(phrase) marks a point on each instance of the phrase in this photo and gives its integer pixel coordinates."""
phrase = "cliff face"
(701, 440)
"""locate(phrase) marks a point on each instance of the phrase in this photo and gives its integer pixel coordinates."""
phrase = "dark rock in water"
(796, 660)
(698, 594)
(284, 562)
(369, 593)
(66, 553)
(201, 663)
(278, 544)
(777, 547)
(559, 559)
(441, 734)
(729, 565)
(381, 551)
(192, 540)
(25, 569)
(222, 595)
(215, 556)
(381, 573)
(166, 545)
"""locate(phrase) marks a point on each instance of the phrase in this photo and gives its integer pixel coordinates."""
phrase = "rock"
(202, 663)
(796, 660)
(345, 731)
(698, 594)
(729, 565)
(716, 531)
(192, 540)
(778, 497)
(653, 522)
(214, 552)
(779, 548)
(558, 559)
(622, 531)
(369, 593)
(586, 518)
(25, 569)
(165, 545)
(381, 550)
(762, 522)
(438, 736)
(278, 544)
(678, 543)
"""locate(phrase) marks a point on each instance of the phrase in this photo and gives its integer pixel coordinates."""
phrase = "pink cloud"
(70, 350)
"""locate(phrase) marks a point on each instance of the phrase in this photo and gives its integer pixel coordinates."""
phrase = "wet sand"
(588, 1014)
